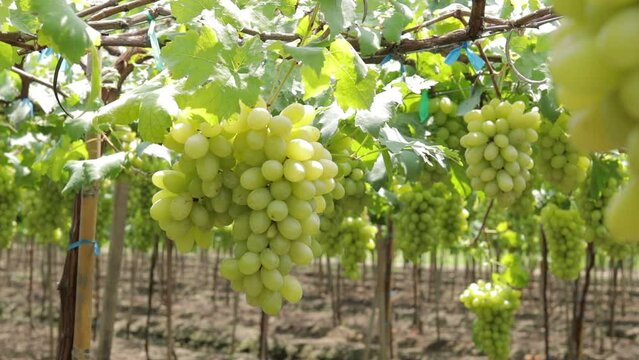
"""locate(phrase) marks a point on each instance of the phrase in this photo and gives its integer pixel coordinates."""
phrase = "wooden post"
(385, 263)
(263, 337)
(544, 284)
(84, 290)
(116, 247)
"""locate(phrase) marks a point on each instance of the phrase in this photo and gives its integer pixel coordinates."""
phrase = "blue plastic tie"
(153, 39)
(474, 59)
(29, 104)
(44, 54)
(386, 59)
(77, 244)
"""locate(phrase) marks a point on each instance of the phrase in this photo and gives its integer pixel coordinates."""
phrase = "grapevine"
(46, 210)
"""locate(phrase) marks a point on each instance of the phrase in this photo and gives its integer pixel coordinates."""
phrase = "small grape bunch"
(559, 162)
(564, 230)
(499, 147)
(495, 306)
(447, 127)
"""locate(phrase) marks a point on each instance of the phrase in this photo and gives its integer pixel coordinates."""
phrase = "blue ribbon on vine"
(474, 59)
(47, 52)
(153, 39)
(26, 102)
(77, 244)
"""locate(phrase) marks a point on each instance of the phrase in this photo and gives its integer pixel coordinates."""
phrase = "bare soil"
(203, 318)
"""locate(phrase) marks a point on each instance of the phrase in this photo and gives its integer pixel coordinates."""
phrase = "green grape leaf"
(515, 273)
(369, 41)
(472, 102)
(548, 105)
(309, 56)
(411, 164)
(84, 172)
(63, 30)
(459, 180)
(78, 126)
(602, 169)
(157, 111)
(339, 14)
(381, 111)
(8, 56)
(222, 99)
(378, 176)
(313, 83)
(52, 162)
(355, 86)
(193, 55)
(393, 26)
(328, 121)
(185, 10)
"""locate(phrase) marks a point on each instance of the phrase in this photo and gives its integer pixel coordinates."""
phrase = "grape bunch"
(495, 306)
(601, 89)
(8, 205)
(283, 175)
(564, 230)
(428, 216)
(349, 194)
(141, 231)
(559, 162)
(197, 192)
(592, 205)
(447, 127)
(357, 237)
(499, 147)
(46, 210)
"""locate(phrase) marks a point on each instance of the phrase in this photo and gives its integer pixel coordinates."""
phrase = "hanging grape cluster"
(356, 236)
(564, 230)
(601, 89)
(592, 204)
(46, 210)
(446, 126)
(499, 147)
(141, 231)
(266, 175)
(559, 162)
(8, 205)
(428, 217)
(495, 306)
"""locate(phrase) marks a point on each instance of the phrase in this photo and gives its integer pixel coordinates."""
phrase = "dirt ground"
(202, 318)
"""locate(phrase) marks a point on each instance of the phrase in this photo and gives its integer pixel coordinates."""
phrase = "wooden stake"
(84, 290)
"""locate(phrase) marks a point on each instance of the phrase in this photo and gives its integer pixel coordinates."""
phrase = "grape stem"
(483, 222)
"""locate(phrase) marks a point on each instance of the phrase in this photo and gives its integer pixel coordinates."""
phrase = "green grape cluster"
(499, 147)
(602, 91)
(495, 306)
(427, 217)
(564, 230)
(197, 192)
(349, 194)
(283, 174)
(141, 230)
(592, 207)
(447, 127)
(357, 237)
(9, 197)
(559, 162)
(46, 210)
